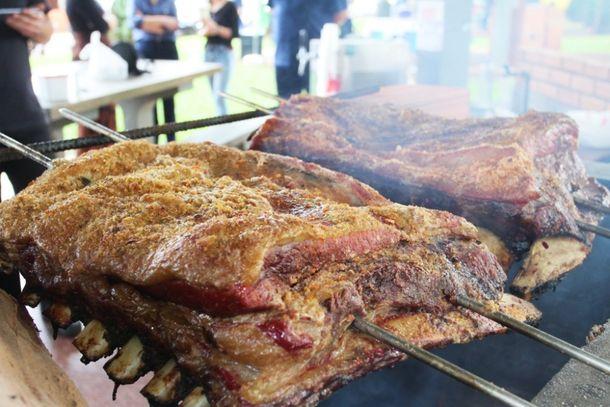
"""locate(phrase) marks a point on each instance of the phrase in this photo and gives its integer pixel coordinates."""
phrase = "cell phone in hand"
(10, 11)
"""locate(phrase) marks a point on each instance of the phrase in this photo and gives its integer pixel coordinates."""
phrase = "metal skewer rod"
(439, 363)
(269, 95)
(26, 151)
(93, 125)
(547, 339)
(592, 205)
(246, 103)
(360, 324)
(598, 230)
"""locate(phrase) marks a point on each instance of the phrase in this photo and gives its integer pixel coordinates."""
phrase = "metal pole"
(440, 364)
(26, 151)
(92, 125)
(534, 333)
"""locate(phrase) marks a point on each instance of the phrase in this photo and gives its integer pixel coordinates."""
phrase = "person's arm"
(144, 22)
(229, 31)
(32, 23)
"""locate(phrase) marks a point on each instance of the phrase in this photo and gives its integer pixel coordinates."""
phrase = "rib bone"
(547, 261)
(92, 342)
(163, 387)
(128, 365)
(196, 398)
(30, 298)
(59, 314)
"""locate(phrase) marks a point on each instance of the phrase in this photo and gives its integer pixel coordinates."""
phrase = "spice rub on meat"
(515, 177)
(248, 268)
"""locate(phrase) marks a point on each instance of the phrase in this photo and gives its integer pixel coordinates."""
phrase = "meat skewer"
(504, 319)
(26, 151)
(520, 188)
(93, 125)
(163, 387)
(439, 363)
(566, 348)
(580, 201)
(592, 205)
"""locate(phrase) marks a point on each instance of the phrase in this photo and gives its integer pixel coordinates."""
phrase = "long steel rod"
(592, 205)
(93, 125)
(549, 340)
(26, 151)
(269, 95)
(364, 326)
(598, 230)
(246, 103)
(439, 363)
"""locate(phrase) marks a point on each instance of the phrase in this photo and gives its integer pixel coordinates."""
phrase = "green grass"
(197, 102)
(586, 44)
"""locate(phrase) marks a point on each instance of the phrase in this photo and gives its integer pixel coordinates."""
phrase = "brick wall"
(565, 82)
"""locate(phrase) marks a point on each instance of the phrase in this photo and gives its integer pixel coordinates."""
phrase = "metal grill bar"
(592, 205)
(536, 334)
(440, 364)
(51, 147)
(598, 230)
(92, 125)
(26, 151)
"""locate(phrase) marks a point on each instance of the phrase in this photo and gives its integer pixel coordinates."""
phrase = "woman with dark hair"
(20, 114)
(220, 29)
(87, 17)
(154, 24)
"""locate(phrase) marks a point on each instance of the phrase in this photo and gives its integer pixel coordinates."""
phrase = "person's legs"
(160, 50)
(288, 80)
(219, 81)
(227, 68)
(169, 51)
(21, 173)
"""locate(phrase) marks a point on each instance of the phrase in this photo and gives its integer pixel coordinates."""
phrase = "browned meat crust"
(515, 177)
(247, 267)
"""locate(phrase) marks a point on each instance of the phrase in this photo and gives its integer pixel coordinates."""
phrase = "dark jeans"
(161, 50)
(21, 173)
(288, 80)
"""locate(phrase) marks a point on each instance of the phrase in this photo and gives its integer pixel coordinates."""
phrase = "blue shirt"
(140, 8)
(291, 16)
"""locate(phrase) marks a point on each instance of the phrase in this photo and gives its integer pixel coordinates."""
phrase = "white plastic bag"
(104, 64)
(594, 128)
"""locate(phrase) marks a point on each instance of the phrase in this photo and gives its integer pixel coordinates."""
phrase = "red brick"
(592, 103)
(569, 97)
(545, 89)
(551, 59)
(599, 71)
(602, 89)
(583, 84)
(573, 64)
(559, 77)
(539, 72)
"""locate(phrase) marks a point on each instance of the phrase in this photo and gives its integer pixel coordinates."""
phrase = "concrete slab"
(580, 385)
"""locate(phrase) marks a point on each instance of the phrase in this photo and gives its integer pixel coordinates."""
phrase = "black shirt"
(86, 16)
(226, 16)
(19, 108)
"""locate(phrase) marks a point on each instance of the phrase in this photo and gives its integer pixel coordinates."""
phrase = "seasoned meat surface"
(248, 268)
(515, 177)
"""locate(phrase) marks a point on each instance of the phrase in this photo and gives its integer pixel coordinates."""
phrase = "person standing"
(154, 23)
(220, 29)
(87, 17)
(21, 116)
(295, 22)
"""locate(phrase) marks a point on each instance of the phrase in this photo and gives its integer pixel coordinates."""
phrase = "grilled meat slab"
(248, 268)
(515, 177)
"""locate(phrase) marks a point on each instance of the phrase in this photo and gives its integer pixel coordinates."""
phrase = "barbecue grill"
(512, 361)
